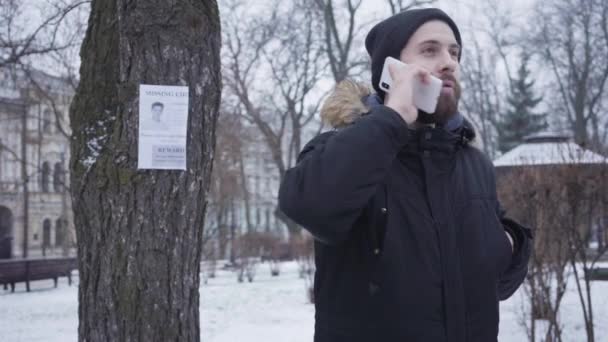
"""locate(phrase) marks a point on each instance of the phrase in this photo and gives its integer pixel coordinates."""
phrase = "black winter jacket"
(410, 238)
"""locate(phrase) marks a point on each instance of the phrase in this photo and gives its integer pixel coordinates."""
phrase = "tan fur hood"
(344, 105)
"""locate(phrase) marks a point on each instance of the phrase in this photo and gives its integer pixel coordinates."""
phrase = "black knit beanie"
(391, 35)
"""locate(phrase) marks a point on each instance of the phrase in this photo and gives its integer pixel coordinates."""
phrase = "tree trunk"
(221, 229)
(245, 191)
(140, 232)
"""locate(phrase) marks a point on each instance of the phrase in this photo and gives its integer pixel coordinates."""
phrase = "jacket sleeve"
(523, 243)
(337, 174)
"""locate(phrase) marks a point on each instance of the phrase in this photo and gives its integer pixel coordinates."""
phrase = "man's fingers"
(398, 72)
(423, 75)
(393, 70)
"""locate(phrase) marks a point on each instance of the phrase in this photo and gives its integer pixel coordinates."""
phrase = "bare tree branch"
(397, 6)
(14, 47)
(280, 101)
(338, 45)
(572, 38)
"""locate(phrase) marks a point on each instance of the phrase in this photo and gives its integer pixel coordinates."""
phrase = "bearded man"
(411, 243)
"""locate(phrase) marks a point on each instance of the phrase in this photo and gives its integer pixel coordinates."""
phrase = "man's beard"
(447, 106)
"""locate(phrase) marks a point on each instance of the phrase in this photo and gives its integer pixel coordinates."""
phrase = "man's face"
(157, 111)
(434, 47)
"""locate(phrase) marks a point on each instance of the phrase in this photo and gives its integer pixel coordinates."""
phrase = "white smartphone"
(425, 95)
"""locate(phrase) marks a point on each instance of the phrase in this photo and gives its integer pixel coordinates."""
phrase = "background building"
(35, 209)
(551, 173)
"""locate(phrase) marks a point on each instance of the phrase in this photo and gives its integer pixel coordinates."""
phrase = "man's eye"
(428, 51)
(454, 53)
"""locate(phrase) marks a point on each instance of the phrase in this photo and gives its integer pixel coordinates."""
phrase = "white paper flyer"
(163, 127)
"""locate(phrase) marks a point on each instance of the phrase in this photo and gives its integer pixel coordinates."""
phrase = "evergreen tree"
(520, 120)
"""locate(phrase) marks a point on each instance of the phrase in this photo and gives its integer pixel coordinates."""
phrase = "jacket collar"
(351, 100)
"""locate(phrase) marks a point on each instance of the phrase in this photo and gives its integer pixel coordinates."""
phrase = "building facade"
(555, 159)
(35, 207)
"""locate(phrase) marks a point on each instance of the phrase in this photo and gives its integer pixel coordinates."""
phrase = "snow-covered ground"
(269, 309)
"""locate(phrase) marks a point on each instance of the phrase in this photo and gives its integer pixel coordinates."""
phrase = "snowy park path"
(269, 309)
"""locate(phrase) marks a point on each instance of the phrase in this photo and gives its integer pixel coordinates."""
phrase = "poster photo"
(163, 127)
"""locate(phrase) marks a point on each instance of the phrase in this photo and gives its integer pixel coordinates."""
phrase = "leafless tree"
(272, 251)
(209, 260)
(481, 98)
(273, 65)
(249, 248)
(28, 49)
(584, 203)
(397, 6)
(487, 77)
(19, 42)
(572, 38)
(342, 36)
(344, 33)
(533, 202)
(228, 183)
(566, 203)
(303, 248)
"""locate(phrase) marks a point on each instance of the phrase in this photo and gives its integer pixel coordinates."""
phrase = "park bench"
(26, 270)
(598, 273)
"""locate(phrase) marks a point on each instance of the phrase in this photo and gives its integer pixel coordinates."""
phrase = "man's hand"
(401, 95)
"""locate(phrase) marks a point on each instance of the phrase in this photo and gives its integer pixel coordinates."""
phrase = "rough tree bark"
(140, 232)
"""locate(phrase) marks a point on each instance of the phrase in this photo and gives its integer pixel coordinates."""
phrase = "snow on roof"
(548, 149)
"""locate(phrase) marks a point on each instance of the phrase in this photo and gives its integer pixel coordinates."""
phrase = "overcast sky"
(468, 14)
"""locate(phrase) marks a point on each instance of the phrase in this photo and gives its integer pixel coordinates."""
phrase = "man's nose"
(448, 63)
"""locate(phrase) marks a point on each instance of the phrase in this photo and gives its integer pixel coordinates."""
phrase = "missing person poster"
(163, 127)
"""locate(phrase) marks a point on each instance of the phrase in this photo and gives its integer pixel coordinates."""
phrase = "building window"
(44, 178)
(268, 224)
(47, 121)
(58, 121)
(60, 231)
(256, 186)
(58, 177)
(268, 190)
(46, 233)
(258, 216)
(6, 232)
